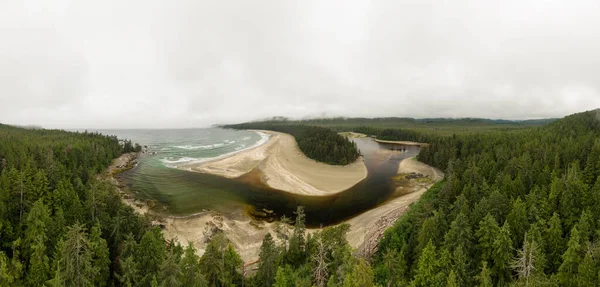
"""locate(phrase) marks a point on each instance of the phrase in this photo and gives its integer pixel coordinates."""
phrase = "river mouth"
(183, 193)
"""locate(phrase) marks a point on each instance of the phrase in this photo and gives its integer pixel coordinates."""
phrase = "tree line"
(515, 209)
(61, 224)
(318, 143)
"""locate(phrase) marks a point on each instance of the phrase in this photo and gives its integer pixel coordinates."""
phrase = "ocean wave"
(206, 147)
(183, 161)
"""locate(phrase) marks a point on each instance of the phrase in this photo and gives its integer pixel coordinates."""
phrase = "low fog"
(161, 64)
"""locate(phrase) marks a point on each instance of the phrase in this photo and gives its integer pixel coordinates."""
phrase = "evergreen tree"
(361, 276)
(75, 258)
(571, 258)
(487, 233)
(460, 234)
(296, 250)
(554, 243)
(129, 272)
(35, 238)
(100, 256)
(282, 279)
(170, 271)
(587, 275)
(451, 281)
(268, 263)
(484, 278)
(149, 255)
(190, 268)
(426, 271)
(517, 220)
(502, 254)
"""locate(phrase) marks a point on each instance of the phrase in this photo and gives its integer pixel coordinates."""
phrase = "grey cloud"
(111, 64)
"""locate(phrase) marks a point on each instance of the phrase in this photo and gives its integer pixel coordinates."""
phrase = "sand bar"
(286, 168)
(365, 229)
(246, 234)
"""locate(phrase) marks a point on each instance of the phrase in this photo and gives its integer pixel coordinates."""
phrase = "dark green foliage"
(540, 183)
(318, 143)
(269, 256)
(59, 224)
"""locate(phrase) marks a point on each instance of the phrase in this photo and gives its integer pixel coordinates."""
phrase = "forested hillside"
(60, 225)
(518, 208)
(318, 143)
(425, 127)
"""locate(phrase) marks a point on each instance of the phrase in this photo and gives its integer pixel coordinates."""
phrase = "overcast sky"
(193, 63)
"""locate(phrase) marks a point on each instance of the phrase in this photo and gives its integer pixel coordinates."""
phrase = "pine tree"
(212, 261)
(129, 272)
(517, 220)
(282, 228)
(75, 257)
(502, 254)
(35, 239)
(282, 279)
(451, 281)
(297, 241)
(554, 243)
(361, 276)
(101, 256)
(484, 278)
(460, 234)
(170, 271)
(149, 254)
(487, 233)
(190, 268)
(232, 264)
(587, 275)
(426, 268)
(268, 263)
(571, 258)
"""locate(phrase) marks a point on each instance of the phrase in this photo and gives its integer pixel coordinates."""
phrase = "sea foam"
(176, 163)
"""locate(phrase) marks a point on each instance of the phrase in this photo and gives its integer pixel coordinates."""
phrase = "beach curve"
(285, 167)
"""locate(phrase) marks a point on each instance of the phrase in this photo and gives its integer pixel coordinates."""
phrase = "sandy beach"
(246, 234)
(286, 168)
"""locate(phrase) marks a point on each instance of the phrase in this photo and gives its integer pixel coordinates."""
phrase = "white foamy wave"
(185, 161)
(205, 147)
(181, 162)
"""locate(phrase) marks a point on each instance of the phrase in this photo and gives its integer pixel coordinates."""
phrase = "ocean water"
(182, 193)
(176, 147)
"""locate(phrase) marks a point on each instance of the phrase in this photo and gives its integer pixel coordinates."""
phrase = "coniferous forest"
(515, 209)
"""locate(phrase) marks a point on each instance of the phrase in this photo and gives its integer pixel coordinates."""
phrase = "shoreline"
(402, 142)
(285, 167)
(246, 234)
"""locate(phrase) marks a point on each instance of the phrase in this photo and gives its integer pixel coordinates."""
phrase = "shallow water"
(183, 193)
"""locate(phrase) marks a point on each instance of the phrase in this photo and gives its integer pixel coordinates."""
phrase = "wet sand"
(246, 235)
(285, 167)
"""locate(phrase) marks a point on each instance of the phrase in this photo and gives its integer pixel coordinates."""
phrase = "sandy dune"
(286, 168)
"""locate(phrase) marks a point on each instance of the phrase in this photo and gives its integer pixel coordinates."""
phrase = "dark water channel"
(182, 193)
